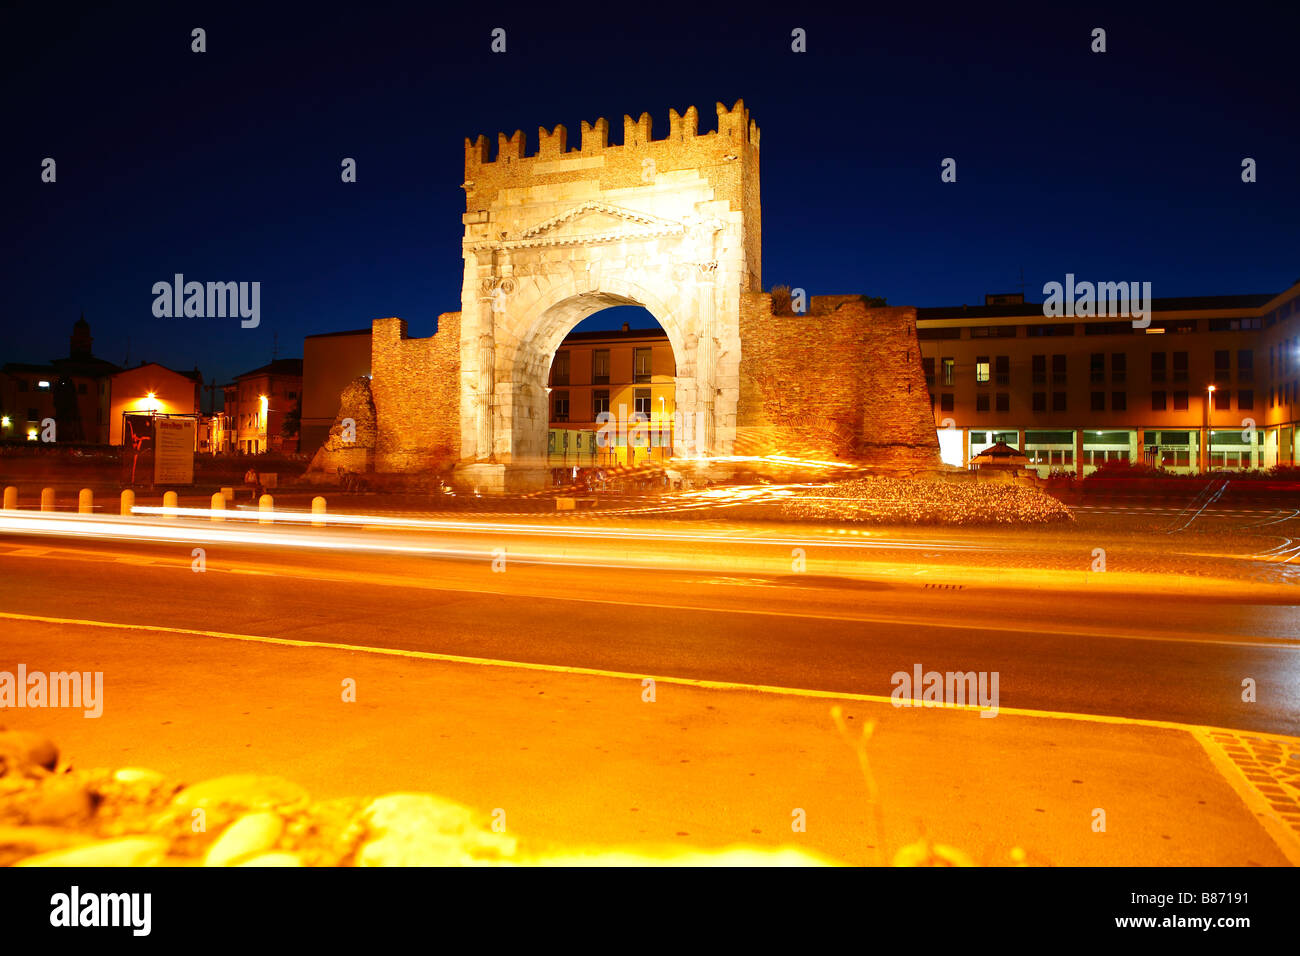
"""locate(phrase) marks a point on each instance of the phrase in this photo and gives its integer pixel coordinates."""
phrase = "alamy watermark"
(950, 689)
(212, 300)
(1128, 300)
(84, 689)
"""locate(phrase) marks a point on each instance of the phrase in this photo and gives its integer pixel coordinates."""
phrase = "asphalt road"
(1178, 657)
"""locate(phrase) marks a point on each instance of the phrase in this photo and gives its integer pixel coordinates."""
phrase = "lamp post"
(1205, 445)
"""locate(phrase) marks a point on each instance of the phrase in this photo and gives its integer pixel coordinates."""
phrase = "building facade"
(72, 391)
(256, 405)
(1212, 383)
(329, 362)
(150, 387)
(601, 379)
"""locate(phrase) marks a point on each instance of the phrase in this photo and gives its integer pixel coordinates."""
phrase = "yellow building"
(1212, 383)
(256, 404)
(150, 387)
(611, 399)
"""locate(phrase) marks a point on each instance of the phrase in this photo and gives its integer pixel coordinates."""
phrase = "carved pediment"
(589, 223)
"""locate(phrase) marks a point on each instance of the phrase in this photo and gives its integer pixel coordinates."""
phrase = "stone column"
(487, 357)
(706, 363)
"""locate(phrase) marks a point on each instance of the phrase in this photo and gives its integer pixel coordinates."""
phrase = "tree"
(292, 420)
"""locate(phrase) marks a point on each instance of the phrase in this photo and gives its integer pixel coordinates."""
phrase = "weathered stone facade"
(350, 449)
(413, 383)
(672, 225)
(669, 224)
(842, 381)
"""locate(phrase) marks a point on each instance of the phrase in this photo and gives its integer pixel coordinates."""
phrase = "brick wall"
(416, 391)
(842, 381)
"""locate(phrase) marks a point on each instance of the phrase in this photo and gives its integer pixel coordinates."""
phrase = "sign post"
(173, 462)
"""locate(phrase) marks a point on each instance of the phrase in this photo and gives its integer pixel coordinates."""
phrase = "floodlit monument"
(672, 225)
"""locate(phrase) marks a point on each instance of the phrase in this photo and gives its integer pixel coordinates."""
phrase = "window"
(641, 397)
(982, 370)
(1246, 399)
(1058, 369)
(1119, 401)
(941, 333)
(1003, 402)
(600, 367)
(1233, 325)
(982, 402)
(1180, 366)
(600, 402)
(1180, 401)
(1002, 369)
(1245, 365)
(1118, 367)
(641, 365)
(1098, 401)
(1222, 400)
(559, 406)
(1158, 401)
(1157, 367)
(1049, 331)
(948, 367)
(33, 415)
(945, 402)
(1097, 367)
(560, 369)
(1058, 401)
(927, 365)
(291, 394)
(1040, 401)
(1040, 369)
(1222, 369)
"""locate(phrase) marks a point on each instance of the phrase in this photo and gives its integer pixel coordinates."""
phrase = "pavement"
(583, 760)
(524, 690)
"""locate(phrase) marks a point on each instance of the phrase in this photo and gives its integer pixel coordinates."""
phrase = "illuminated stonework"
(672, 225)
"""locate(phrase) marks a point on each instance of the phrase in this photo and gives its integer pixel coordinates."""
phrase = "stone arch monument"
(673, 225)
(668, 224)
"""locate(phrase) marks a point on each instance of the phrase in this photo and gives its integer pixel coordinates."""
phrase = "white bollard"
(11, 498)
(317, 508)
(218, 504)
(265, 504)
(170, 500)
(85, 502)
(128, 502)
(47, 499)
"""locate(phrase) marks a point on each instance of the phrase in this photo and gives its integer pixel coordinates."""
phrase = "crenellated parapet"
(735, 132)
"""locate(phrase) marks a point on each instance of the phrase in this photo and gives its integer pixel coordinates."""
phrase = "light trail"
(565, 530)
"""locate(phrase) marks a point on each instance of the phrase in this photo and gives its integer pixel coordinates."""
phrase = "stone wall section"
(843, 381)
(416, 392)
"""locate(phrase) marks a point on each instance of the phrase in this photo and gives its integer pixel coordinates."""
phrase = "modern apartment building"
(1212, 383)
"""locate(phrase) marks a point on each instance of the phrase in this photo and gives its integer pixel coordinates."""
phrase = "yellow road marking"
(627, 675)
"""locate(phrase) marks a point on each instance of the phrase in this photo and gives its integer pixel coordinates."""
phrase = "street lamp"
(1205, 449)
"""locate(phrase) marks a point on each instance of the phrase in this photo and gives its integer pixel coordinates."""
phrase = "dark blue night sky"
(225, 165)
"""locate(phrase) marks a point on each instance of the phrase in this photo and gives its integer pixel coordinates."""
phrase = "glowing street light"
(1205, 451)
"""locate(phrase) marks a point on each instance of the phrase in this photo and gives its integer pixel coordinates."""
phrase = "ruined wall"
(842, 381)
(416, 391)
(343, 453)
